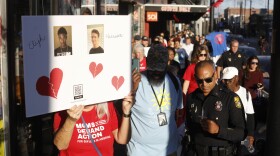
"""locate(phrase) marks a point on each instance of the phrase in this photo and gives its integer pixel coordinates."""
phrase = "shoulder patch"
(237, 102)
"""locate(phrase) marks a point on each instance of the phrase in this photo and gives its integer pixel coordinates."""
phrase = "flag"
(218, 3)
(218, 42)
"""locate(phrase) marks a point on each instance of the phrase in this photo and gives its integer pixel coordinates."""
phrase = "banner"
(71, 60)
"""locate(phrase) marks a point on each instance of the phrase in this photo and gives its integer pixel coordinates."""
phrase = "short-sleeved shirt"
(189, 76)
(230, 59)
(100, 129)
(148, 138)
(246, 99)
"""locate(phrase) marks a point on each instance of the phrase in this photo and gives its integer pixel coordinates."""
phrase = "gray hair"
(138, 47)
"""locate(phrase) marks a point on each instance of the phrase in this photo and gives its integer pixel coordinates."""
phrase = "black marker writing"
(35, 43)
(114, 35)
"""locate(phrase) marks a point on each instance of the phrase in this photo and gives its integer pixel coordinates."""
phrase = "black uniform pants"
(214, 151)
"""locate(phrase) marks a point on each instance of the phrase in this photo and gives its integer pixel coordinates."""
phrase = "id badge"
(162, 119)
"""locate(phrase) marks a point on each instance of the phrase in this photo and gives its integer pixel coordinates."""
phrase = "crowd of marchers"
(182, 103)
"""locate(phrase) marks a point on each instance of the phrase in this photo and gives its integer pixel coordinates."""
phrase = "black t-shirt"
(63, 51)
(96, 50)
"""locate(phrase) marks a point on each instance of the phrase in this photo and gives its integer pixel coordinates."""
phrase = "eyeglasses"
(207, 80)
(200, 55)
(255, 63)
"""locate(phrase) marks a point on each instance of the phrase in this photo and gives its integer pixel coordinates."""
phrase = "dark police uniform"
(230, 59)
(223, 107)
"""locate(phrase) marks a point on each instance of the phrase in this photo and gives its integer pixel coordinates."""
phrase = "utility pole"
(268, 22)
(240, 15)
(244, 22)
(250, 8)
(249, 29)
(211, 28)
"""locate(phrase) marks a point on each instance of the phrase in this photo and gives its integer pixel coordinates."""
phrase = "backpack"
(174, 80)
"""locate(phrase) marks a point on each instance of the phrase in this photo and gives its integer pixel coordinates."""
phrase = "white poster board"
(59, 70)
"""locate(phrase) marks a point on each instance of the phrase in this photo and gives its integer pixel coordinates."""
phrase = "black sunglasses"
(207, 80)
(255, 63)
(203, 55)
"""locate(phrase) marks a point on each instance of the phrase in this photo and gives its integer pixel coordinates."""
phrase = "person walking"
(231, 80)
(91, 130)
(252, 79)
(190, 84)
(158, 96)
(231, 58)
(215, 119)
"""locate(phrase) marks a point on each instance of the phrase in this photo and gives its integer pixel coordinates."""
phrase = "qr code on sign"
(78, 91)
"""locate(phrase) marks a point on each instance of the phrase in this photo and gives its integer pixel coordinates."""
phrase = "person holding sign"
(63, 49)
(91, 130)
(95, 35)
(158, 96)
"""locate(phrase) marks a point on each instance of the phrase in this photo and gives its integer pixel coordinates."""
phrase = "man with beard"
(153, 125)
(215, 119)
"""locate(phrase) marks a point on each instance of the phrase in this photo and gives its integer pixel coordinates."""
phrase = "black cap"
(145, 38)
(157, 58)
(137, 37)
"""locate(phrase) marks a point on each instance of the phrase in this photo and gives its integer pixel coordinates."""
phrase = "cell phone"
(135, 64)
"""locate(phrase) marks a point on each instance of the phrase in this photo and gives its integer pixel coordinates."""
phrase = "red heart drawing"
(95, 69)
(50, 87)
(117, 82)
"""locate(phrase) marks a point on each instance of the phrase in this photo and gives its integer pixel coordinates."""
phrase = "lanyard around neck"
(159, 104)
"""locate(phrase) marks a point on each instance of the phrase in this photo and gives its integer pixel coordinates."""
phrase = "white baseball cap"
(229, 72)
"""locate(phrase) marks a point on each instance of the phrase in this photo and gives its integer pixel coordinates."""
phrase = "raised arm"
(63, 135)
(123, 134)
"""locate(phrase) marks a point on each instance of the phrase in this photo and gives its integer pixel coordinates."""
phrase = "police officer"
(231, 58)
(215, 118)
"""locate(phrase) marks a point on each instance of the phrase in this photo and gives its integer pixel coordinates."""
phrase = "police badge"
(218, 106)
(237, 102)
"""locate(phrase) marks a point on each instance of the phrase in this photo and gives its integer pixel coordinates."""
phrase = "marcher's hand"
(75, 112)
(136, 78)
(127, 103)
(260, 86)
(251, 140)
(209, 126)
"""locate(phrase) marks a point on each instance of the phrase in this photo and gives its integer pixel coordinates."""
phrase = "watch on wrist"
(127, 115)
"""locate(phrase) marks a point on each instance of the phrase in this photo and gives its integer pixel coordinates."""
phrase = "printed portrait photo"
(95, 38)
(62, 40)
